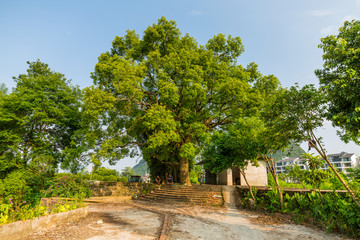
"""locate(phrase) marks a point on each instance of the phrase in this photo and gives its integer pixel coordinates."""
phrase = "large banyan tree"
(163, 93)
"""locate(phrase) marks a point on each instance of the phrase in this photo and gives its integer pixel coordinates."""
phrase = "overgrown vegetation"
(331, 211)
(335, 212)
(10, 213)
(20, 195)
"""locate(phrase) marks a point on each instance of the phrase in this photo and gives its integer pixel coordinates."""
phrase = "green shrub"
(194, 177)
(106, 172)
(271, 181)
(122, 179)
(97, 177)
(110, 178)
(16, 187)
(294, 185)
(272, 200)
(68, 185)
(4, 213)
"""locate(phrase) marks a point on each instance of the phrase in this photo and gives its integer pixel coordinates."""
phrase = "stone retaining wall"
(133, 189)
(21, 229)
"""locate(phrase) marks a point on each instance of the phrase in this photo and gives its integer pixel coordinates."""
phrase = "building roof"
(348, 155)
(288, 159)
(342, 154)
(335, 155)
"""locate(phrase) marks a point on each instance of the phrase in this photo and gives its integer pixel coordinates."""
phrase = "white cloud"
(329, 30)
(349, 18)
(321, 13)
(333, 29)
(196, 12)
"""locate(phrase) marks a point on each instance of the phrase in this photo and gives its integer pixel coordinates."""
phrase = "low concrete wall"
(109, 199)
(133, 189)
(21, 229)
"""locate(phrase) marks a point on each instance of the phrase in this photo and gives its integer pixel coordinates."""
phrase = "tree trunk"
(92, 169)
(352, 194)
(175, 175)
(322, 153)
(247, 183)
(184, 172)
(271, 165)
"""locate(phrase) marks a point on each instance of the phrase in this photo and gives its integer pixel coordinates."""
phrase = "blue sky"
(280, 36)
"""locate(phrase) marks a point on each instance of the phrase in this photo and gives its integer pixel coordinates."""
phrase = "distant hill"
(141, 168)
(291, 151)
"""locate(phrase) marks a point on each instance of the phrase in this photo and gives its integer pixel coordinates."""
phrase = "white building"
(342, 161)
(256, 176)
(281, 165)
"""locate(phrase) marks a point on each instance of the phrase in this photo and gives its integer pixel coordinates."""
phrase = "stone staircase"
(203, 195)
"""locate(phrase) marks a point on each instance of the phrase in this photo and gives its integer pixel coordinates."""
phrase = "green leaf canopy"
(165, 92)
(38, 119)
(340, 79)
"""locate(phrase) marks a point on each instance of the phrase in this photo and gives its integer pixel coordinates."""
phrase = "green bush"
(97, 177)
(68, 185)
(106, 172)
(272, 200)
(330, 183)
(193, 177)
(15, 187)
(271, 181)
(111, 178)
(122, 179)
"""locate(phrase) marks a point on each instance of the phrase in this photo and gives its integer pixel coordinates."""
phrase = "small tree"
(300, 111)
(38, 121)
(315, 176)
(238, 146)
(296, 174)
(275, 137)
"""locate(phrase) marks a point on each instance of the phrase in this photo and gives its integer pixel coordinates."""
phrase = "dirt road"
(142, 220)
(107, 221)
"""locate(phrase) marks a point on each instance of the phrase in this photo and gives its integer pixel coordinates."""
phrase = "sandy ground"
(230, 223)
(132, 221)
(107, 221)
(234, 224)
